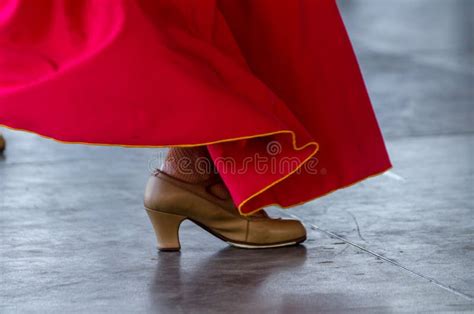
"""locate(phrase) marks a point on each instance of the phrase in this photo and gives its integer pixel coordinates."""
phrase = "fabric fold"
(262, 83)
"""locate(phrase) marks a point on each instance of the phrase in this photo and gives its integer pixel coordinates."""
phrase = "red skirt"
(272, 88)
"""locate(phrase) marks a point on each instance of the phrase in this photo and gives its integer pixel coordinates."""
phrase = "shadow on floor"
(220, 277)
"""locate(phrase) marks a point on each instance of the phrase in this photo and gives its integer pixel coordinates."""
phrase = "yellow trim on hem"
(316, 148)
(245, 137)
(295, 147)
(293, 136)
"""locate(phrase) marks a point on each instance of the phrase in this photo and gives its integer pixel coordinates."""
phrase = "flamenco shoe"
(170, 201)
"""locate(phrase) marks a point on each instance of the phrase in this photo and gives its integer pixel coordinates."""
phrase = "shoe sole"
(270, 246)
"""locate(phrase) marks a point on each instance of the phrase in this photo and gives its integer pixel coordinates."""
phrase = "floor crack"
(357, 225)
(393, 262)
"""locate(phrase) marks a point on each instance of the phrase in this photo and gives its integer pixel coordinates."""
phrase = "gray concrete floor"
(74, 237)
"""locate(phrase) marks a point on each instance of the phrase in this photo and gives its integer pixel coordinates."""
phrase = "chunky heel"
(166, 229)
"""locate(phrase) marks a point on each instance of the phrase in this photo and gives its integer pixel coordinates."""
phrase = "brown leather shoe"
(169, 201)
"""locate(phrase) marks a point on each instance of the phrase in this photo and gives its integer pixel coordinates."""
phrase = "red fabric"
(213, 71)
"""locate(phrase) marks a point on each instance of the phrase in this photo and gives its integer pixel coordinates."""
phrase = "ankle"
(192, 165)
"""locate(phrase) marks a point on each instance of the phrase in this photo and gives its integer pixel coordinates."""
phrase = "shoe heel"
(166, 228)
